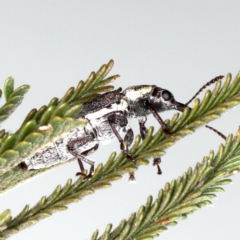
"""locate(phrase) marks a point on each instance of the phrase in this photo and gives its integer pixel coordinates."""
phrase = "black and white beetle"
(108, 116)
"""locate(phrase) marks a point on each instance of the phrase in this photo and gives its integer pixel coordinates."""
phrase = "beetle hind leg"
(156, 162)
(74, 147)
(86, 160)
(91, 170)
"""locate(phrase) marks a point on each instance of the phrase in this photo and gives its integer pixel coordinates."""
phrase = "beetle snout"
(180, 106)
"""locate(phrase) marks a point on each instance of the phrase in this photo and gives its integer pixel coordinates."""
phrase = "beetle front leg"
(129, 139)
(165, 127)
(143, 131)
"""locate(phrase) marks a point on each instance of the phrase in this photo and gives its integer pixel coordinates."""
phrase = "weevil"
(108, 116)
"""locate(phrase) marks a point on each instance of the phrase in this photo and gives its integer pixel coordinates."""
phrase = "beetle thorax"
(136, 97)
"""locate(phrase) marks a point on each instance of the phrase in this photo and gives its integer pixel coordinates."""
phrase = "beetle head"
(162, 100)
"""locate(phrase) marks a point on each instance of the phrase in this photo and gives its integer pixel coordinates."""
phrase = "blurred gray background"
(177, 45)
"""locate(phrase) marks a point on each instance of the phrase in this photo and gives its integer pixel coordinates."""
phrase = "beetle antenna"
(204, 86)
(216, 131)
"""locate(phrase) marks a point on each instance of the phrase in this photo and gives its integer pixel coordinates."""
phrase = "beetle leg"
(129, 136)
(143, 129)
(156, 162)
(86, 160)
(73, 147)
(165, 127)
(121, 120)
(131, 177)
(122, 145)
(81, 166)
(129, 139)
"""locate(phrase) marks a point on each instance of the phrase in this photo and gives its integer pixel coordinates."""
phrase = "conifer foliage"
(184, 195)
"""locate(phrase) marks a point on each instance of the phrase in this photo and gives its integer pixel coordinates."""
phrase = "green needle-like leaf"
(179, 198)
(188, 193)
(13, 98)
(8, 87)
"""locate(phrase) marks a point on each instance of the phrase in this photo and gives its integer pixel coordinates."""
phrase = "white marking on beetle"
(136, 94)
(122, 106)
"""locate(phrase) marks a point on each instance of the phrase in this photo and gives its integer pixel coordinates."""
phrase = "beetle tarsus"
(131, 177)
(128, 155)
(156, 162)
(167, 131)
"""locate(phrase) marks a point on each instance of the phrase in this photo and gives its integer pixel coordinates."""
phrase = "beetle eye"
(166, 95)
